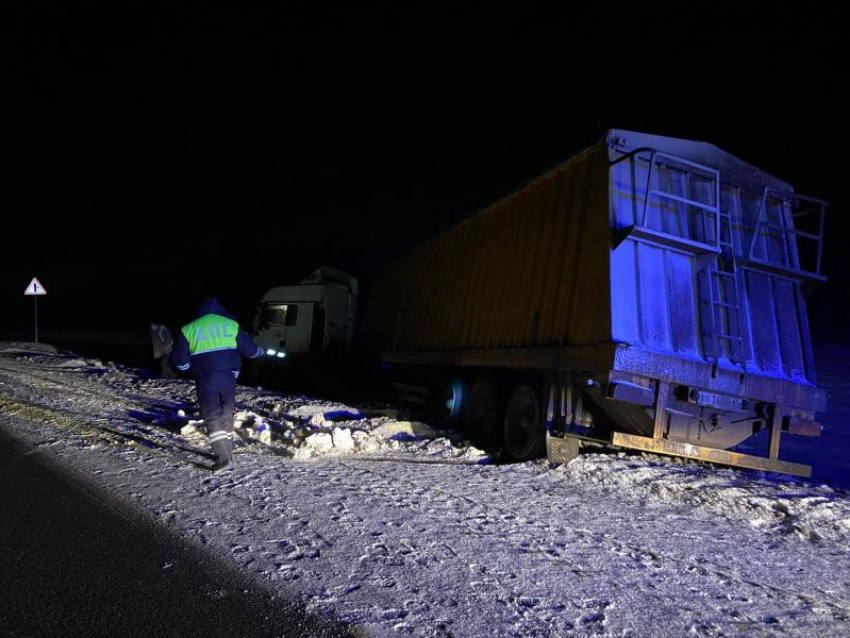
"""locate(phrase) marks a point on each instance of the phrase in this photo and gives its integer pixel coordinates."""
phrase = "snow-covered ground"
(383, 523)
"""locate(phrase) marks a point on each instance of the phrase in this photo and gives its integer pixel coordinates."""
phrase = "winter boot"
(223, 449)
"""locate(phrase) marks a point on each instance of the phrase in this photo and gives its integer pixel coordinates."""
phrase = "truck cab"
(312, 318)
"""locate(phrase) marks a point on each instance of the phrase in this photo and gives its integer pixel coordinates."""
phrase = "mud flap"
(561, 449)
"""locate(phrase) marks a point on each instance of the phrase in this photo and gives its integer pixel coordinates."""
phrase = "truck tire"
(446, 401)
(524, 433)
(484, 413)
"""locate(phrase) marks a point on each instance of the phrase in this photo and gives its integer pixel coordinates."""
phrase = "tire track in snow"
(115, 396)
(43, 399)
(83, 427)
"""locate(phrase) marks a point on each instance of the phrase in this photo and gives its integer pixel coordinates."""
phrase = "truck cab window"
(278, 315)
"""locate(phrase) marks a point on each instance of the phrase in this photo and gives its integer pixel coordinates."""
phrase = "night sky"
(152, 157)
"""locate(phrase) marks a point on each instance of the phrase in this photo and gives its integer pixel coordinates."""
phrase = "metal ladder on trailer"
(723, 298)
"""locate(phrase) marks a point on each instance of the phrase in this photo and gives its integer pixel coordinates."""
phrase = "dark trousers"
(217, 400)
(165, 370)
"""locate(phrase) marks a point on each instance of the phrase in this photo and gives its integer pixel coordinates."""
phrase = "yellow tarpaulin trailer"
(649, 292)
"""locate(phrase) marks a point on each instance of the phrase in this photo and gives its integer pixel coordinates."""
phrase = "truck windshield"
(277, 315)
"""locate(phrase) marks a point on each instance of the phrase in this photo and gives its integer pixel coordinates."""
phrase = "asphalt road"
(75, 561)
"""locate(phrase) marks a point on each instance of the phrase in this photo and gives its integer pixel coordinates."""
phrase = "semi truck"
(647, 294)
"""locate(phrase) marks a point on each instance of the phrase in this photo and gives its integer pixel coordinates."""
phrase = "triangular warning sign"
(35, 288)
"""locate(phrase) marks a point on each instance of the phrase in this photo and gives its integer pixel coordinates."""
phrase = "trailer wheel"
(524, 433)
(446, 401)
(484, 412)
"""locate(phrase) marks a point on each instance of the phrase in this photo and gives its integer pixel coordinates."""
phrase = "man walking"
(162, 345)
(213, 345)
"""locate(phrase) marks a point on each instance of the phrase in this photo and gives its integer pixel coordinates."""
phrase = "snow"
(385, 523)
(777, 505)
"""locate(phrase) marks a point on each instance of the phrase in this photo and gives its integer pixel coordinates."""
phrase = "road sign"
(35, 288)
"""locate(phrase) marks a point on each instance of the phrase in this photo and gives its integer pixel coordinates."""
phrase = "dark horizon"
(156, 157)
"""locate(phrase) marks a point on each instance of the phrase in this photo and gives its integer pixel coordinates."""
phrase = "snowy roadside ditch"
(304, 429)
(298, 427)
(317, 429)
(379, 521)
(773, 503)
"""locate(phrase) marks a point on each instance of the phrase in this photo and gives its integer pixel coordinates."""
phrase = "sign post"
(35, 290)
